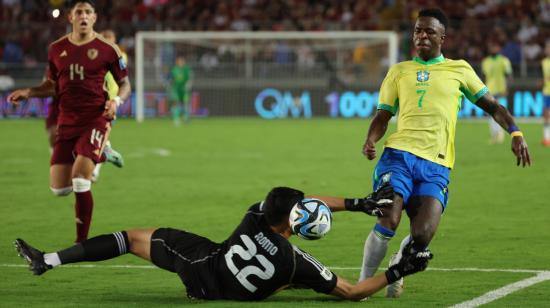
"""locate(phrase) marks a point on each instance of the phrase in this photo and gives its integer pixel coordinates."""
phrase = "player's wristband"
(517, 134)
(352, 204)
(118, 101)
(392, 274)
(513, 129)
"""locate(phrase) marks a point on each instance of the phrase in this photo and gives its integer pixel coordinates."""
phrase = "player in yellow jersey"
(110, 83)
(497, 69)
(546, 95)
(112, 89)
(418, 157)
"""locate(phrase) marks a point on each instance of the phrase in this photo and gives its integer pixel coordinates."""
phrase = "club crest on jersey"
(92, 53)
(422, 76)
(63, 54)
(121, 63)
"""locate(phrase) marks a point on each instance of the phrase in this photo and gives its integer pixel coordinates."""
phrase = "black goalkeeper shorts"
(192, 257)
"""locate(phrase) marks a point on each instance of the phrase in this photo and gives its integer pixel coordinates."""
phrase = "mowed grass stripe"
(202, 177)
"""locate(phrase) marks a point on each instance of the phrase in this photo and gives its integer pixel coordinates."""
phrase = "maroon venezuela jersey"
(79, 72)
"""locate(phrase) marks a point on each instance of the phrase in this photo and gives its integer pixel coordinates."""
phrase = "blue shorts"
(546, 101)
(411, 175)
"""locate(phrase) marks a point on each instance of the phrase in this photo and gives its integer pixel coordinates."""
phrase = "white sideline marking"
(542, 275)
(501, 292)
(491, 270)
(465, 269)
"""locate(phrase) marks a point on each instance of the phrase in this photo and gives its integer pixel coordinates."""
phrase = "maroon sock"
(83, 208)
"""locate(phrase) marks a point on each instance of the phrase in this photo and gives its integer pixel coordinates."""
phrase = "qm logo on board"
(422, 76)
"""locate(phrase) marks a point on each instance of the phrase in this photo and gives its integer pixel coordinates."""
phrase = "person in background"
(497, 70)
(180, 82)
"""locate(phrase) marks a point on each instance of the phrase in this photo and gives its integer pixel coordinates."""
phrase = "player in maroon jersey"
(78, 63)
(109, 154)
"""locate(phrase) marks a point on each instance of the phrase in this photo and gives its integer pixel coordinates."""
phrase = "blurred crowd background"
(521, 27)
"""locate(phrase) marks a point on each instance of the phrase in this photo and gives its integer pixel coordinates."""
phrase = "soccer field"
(201, 177)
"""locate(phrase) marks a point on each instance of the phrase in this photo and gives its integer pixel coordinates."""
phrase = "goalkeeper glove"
(373, 203)
(409, 264)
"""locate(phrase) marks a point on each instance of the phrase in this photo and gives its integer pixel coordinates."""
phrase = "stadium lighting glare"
(55, 13)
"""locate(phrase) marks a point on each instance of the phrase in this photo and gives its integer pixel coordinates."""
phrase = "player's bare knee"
(392, 223)
(390, 220)
(81, 185)
(392, 215)
(61, 192)
(140, 242)
(132, 237)
(81, 175)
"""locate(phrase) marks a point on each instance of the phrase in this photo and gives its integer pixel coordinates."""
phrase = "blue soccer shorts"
(546, 99)
(411, 176)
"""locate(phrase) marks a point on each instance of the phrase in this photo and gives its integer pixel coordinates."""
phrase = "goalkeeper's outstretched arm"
(409, 265)
(372, 205)
(335, 204)
(361, 290)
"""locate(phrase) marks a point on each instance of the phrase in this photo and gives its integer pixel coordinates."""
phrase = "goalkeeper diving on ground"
(241, 267)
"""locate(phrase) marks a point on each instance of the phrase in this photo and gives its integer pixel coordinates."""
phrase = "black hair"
(279, 202)
(437, 14)
(73, 3)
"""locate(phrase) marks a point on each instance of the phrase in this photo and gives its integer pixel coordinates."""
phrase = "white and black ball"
(310, 219)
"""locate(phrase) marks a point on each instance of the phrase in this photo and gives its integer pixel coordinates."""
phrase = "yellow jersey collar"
(431, 61)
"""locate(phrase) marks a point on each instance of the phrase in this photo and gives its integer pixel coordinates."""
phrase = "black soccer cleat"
(33, 256)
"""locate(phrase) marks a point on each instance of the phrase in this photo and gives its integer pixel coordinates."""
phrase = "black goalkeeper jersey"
(254, 262)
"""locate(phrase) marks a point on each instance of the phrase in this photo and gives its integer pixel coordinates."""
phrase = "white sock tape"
(81, 185)
(62, 191)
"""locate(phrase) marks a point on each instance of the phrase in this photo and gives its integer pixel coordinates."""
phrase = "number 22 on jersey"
(247, 254)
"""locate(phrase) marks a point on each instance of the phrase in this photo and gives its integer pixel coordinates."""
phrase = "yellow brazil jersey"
(428, 95)
(110, 84)
(546, 74)
(496, 69)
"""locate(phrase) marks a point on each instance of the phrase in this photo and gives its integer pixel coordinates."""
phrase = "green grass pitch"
(202, 177)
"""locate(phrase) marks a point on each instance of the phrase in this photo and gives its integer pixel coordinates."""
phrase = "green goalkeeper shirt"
(180, 76)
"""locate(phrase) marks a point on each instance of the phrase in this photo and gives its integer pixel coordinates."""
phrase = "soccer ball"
(310, 219)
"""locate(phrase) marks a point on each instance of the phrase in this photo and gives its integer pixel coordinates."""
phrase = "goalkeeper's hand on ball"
(374, 203)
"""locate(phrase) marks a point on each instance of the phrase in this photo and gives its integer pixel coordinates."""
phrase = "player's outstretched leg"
(33, 256)
(374, 251)
(99, 248)
(376, 244)
(113, 156)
